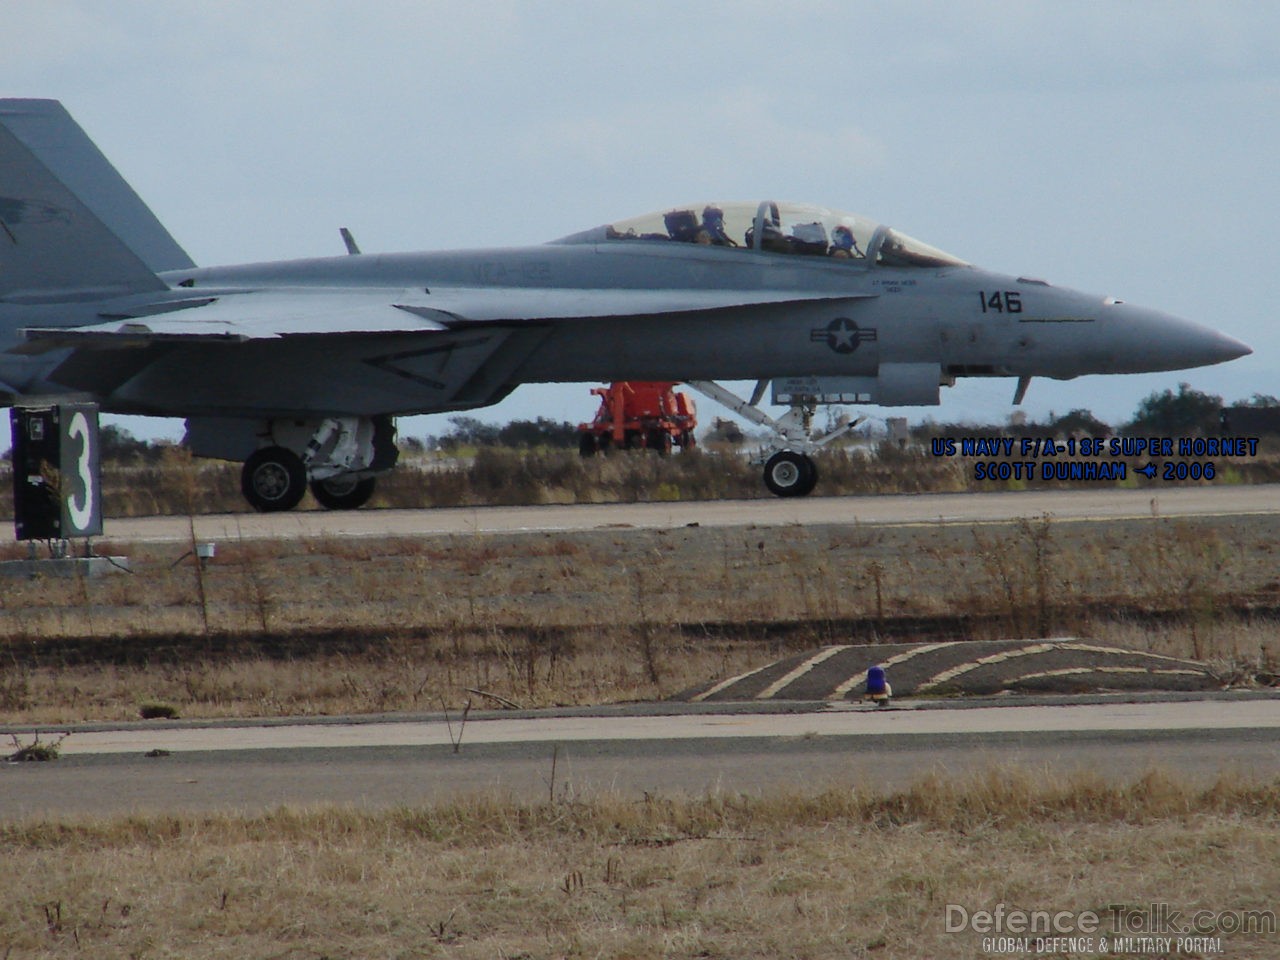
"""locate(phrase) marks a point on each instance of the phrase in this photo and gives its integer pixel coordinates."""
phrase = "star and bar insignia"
(842, 335)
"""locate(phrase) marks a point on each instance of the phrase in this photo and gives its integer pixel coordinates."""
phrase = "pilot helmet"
(713, 215)
(842, 238)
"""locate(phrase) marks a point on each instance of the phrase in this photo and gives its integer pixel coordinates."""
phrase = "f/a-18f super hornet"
(298, 368)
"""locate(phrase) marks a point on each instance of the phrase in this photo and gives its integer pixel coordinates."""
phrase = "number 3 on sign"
(1001, 301)
(82, 510)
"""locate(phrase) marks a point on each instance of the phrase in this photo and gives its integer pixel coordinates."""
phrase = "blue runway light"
(878, 688)
(875, 681)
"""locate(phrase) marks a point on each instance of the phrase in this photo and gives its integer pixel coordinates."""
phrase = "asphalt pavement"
(1090, 504)
(248, 766)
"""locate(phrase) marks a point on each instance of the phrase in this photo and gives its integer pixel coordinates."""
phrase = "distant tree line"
(518, 434)
(118, 446)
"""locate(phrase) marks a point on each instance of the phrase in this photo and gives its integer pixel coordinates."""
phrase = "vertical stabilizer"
(69, 224)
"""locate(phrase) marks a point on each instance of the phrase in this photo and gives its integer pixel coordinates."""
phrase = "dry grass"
(832, 874)
(348, 626)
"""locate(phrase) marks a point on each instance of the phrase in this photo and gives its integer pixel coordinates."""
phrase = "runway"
(254, 766)
(1108, 503)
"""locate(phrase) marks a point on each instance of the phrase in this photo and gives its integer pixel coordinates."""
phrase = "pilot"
(843, 245)
(712, 231)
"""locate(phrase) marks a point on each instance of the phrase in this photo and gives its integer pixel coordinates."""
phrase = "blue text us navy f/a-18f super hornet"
(298, 368)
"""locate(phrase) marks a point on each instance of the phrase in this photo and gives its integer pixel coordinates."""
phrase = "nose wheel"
(790, 474)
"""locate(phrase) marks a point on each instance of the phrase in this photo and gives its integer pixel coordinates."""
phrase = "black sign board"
(57, 493)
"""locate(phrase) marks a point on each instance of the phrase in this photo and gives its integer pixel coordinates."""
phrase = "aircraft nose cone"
(1230, 348)
(1204, 346)
(1167, 342)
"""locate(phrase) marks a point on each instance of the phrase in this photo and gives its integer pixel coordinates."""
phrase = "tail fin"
(69, 224)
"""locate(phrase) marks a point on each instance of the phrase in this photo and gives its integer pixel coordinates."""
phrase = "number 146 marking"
(1001, 301)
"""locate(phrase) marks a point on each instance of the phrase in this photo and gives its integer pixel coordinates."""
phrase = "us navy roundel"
(842, 335)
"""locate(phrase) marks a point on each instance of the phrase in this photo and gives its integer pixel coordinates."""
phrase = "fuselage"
(823, 317)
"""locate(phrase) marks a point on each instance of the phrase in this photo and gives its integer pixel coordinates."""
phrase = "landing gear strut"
(789, 470)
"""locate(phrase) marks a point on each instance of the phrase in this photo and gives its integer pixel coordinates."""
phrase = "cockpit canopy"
(772, 227)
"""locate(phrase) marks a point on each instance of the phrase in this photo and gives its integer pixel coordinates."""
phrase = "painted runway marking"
(723, 684)
(1094, 648)
(972, 665)
(799, 671)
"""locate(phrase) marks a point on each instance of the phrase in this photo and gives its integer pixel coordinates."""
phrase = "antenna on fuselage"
(1021, 391)
(349, 240)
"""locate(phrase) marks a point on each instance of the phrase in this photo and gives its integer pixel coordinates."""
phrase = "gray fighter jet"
(298, 368)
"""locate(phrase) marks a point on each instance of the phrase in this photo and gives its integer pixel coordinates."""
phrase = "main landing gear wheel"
(273, 479)
(789, 474)
(343, 493)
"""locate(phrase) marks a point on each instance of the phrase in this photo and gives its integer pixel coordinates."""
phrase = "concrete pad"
(64, 567)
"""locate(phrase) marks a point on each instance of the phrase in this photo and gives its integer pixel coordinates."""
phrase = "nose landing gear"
(789, 470)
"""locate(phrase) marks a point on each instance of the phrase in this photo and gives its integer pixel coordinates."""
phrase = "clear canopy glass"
(773, 227)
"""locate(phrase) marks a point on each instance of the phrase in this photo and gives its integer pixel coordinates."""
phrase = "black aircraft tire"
(812, 479)
(273, 480)
(789, 474)
(343, 493)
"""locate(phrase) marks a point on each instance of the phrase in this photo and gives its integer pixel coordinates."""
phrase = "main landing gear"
(274, 479)
(789, 470)
(339, 458)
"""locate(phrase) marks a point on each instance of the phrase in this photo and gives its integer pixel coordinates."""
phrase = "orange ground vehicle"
(639, 413)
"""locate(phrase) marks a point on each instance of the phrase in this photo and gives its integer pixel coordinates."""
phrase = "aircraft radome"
(299, 368)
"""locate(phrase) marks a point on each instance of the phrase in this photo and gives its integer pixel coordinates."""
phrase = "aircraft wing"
(311, 311)
(249, 315)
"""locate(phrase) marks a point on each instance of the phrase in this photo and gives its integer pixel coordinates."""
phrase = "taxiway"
(1109, 504)
(690, 749)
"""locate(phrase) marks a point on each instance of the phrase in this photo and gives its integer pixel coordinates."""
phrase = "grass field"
(831, 874)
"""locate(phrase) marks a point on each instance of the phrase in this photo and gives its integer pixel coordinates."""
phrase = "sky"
(1123, 148)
